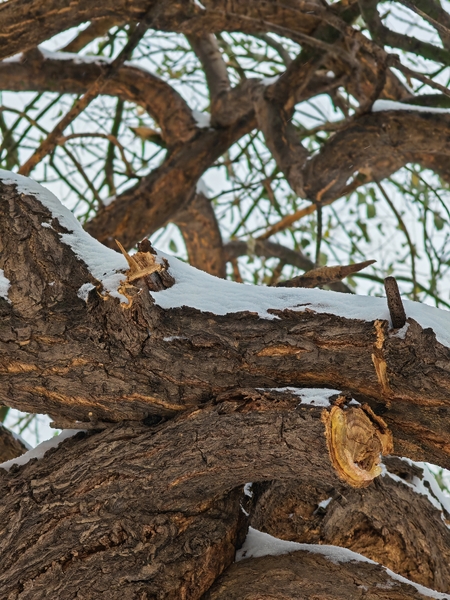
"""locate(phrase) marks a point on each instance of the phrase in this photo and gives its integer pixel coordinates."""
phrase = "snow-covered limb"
(111, 343)
(259, 544)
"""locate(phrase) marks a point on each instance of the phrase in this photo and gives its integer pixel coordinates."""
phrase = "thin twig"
(82, 103)
(403, 227)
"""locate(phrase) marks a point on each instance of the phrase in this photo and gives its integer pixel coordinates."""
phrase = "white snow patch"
(325, 503)
(13, 59)
(84, 290)
(41, 449)
(401, 333)
(206, 293)
(202, 119)
(109, 200)
(248, 490)
(270, 80)
(313, 396)
(76, 58)
(202, 188)
(259, 544)
(105, 264)
(4, 286)
(432, 491)
(172, 338)
(48, 225)
(382, 105)
(199, 4)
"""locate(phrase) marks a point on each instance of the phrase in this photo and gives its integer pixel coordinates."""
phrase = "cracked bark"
(95, 361)
(128, 511)
(416, 547)
(310, 576)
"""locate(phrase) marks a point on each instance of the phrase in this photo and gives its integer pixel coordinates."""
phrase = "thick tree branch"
(373, 147)
(71, 74)
(123, 523)
(200, 230)
(282, 141)
(10, 445)
(208, 52)
(93, 31)
(369, 521)
(19, 18)
(144, 208)
(289, 576)
(99, 359)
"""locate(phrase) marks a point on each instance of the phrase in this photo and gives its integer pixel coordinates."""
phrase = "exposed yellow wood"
(356, 440)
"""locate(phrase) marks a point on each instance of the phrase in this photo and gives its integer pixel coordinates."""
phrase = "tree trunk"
(183, 406)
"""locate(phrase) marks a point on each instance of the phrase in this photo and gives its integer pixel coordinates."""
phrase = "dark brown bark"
(139, 510)
(39, 73)
(26, 24)
(389, 522)
(141, 210)
(10, 445)
(308, 576)
(200, 230)
(99, 361)
(179, 402)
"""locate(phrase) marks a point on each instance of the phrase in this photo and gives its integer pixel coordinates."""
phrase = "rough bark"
(200, 230)
(10, 445)
(411, 537)
(20, 33)
(310, 577)
(136, 510)
(40, 72)
(99, 361)
(179, 403)
(141, 210)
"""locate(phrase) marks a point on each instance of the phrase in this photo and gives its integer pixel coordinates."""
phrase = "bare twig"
(325, 275)
(52, 139)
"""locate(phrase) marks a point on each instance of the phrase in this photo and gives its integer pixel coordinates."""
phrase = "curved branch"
(144, 208)
(19, 18)
(208, 52)
(92, 357)
(330, 573)
(372, 148)
(70, 73)
(201, 233)
(93, 31)
(167, 530)
(417, 548)
(11, 445)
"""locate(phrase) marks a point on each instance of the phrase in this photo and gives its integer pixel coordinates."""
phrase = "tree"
(198, 408)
